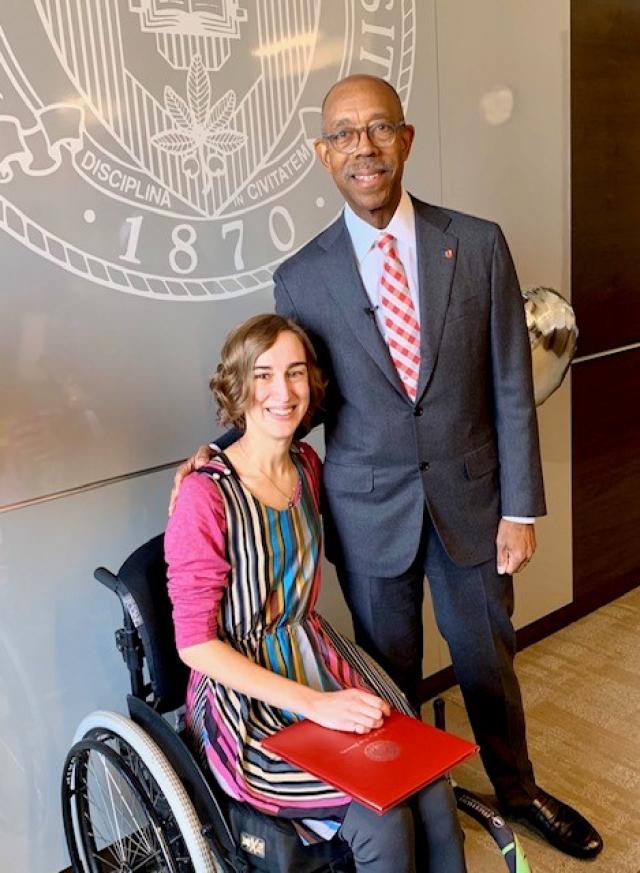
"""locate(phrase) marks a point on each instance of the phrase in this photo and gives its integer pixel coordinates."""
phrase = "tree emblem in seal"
(179, 135)
(199, 128)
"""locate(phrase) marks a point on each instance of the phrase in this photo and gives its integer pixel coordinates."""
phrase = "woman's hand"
(349, 710)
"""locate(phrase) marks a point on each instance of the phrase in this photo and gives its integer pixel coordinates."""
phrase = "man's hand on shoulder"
(515, 545)
(200, 459)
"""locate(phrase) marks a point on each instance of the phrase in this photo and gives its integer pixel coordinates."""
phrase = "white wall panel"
(503, 70)
(509, 164)
(129, 245)
(123, 267)
(58, 659)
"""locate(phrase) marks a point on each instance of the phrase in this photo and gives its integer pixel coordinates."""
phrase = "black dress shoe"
(559, 824)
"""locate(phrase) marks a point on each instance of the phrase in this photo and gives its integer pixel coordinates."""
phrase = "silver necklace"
(288, 497)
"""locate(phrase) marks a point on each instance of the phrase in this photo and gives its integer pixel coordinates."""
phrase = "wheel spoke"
(95, 830)
(135, 764)
(107, 809)
(140, 842)
(123, 818)
(113, 806)
(144, 861)
(138, 828)
(116, 866)
(129, 835)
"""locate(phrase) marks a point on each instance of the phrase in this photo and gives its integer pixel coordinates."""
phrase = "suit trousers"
(473, 608)
(421, 834)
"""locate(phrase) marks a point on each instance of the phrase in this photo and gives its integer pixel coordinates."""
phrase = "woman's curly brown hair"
(232, 382)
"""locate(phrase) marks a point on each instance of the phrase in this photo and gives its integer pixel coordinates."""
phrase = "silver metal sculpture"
(553, 336)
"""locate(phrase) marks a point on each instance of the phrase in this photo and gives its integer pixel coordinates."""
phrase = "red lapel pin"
(448, 253)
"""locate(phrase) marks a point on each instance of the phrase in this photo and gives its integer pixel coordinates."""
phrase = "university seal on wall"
(165, 149)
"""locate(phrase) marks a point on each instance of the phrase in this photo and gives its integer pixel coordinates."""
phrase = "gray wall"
(127, 255)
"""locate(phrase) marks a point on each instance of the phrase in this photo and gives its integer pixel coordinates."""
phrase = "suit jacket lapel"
(437, 252)
(342, 278)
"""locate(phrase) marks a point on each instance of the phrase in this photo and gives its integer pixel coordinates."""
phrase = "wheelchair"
(136, 800)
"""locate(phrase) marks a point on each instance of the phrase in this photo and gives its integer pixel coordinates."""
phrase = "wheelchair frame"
(137, 776)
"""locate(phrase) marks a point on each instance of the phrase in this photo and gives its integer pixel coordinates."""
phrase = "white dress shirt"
(370, 259)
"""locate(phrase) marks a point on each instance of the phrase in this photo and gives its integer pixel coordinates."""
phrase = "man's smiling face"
(370, 179)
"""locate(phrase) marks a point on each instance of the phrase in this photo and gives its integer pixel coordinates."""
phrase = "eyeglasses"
(379, 133)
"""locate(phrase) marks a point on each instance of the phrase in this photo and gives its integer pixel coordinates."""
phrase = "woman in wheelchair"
(243, 549)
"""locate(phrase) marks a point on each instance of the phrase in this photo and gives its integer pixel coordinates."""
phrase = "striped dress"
(250, 575)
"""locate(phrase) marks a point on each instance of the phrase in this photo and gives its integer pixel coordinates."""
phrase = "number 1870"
(183, 256)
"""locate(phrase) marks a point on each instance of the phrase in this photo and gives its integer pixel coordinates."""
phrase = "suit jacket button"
(418, 411)
(424, 465)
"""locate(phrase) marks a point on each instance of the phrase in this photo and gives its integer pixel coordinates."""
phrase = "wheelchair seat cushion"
(273, 844)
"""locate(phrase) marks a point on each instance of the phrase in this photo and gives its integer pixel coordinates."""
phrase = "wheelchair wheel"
(110, 824)
(164, 814)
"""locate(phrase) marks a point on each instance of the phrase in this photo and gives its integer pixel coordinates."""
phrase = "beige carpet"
(581, 691)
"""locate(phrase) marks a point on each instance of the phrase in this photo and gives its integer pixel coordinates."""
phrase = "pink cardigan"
(196, 552)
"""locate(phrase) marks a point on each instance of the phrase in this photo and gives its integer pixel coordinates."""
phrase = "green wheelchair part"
(486, 816)
(497, 828)
(515, 857)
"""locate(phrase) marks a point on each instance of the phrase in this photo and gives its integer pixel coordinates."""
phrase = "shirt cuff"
(520, 519)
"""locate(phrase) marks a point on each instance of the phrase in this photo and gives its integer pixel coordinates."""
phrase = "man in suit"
(432, 460)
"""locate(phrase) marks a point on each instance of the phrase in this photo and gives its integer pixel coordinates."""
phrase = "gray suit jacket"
(469, 446)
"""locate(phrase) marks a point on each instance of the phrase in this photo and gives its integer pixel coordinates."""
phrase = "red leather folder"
(379, 769)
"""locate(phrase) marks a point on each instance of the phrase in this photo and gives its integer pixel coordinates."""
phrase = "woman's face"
(279, 397)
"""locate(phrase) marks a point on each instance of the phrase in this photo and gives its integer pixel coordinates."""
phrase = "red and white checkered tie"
(399, 316)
